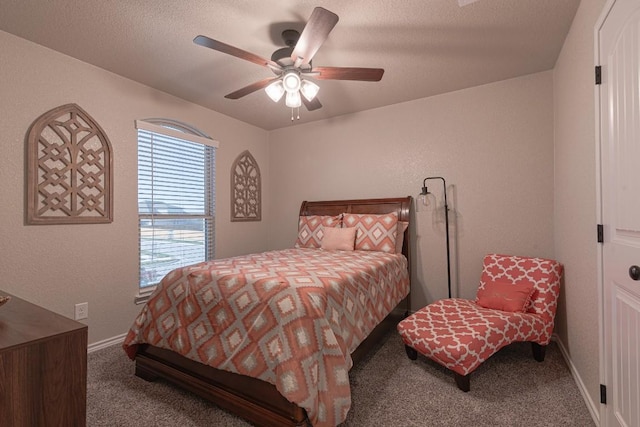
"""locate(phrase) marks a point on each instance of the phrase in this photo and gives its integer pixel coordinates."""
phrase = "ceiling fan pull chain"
(291, 114)
(298, 113)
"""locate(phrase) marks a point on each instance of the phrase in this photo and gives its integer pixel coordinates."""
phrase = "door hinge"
(600, 231)
(603, 394)
(598, 74)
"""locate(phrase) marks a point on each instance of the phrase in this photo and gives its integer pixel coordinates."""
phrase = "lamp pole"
(424, 192)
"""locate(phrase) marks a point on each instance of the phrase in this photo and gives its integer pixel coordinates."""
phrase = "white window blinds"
(176, 202)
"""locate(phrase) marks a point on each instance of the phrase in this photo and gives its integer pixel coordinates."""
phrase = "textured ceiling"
(426, 47)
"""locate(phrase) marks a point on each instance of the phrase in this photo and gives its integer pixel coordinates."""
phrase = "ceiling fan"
(292, 64)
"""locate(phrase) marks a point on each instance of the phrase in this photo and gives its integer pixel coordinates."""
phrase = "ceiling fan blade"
(234, 51)
(348, 73)
(250, 88)
(462, 3)
(314, 34)
(314, 104)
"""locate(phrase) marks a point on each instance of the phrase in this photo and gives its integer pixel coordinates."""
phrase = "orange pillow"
(341, 239)
(505, 296)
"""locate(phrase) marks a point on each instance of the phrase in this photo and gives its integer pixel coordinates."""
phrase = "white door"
(619, 54)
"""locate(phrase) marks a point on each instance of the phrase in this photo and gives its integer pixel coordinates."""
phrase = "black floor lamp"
(423, 194)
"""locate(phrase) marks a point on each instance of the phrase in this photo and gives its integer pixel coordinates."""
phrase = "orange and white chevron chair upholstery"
(516, 301)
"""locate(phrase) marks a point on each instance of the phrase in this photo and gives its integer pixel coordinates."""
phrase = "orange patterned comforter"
(289, 317)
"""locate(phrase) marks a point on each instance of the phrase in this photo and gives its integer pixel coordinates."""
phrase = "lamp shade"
(275, 90)
(309, 89)
(293, 99)
(291, 81)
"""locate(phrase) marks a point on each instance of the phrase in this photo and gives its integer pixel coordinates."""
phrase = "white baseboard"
(118, 339)
(591, 405)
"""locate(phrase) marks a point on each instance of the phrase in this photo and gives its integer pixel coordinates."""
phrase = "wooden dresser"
(43, 367)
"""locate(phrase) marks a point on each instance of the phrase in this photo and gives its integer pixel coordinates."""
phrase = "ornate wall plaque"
(246, 203)
(69, 169)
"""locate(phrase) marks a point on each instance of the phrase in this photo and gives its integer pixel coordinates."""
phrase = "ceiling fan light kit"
(294, 61)
(292, 84)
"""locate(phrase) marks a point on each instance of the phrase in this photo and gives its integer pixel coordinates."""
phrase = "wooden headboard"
(399, 205)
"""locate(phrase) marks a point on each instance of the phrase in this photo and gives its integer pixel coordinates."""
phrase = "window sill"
(143, 295)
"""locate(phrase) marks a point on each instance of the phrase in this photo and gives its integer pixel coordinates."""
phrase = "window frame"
(178, 130)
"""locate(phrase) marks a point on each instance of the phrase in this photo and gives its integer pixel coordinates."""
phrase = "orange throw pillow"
(340, 239)
(505, 296)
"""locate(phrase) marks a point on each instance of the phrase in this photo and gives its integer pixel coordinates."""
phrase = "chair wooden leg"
(538, 351)
(463, 381)
(411, 353)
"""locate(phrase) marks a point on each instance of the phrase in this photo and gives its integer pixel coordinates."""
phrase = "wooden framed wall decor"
(69, 169)
(246, 197)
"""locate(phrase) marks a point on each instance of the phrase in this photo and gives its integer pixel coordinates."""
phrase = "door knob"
(634, 272)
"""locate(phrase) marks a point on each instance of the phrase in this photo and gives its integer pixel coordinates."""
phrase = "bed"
(262, 401)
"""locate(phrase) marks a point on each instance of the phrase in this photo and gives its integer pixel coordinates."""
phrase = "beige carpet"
(510, 389)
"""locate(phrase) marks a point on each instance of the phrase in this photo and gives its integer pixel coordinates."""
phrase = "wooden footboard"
(254, 400)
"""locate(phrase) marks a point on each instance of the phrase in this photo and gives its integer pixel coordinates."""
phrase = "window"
(176, 198)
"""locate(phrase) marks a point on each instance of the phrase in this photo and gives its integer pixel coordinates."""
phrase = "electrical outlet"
(82, 311)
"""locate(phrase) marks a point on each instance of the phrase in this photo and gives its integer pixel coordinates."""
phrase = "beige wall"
(60, 265)
(493, 144)
(575, 196)
(511, 189)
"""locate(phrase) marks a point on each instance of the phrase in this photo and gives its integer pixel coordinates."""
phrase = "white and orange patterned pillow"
(402, 227)
(375, 232)
(311, 229)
